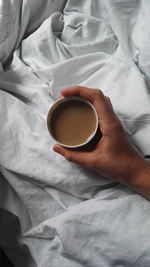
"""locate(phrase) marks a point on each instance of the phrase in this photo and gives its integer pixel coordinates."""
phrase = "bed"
(54, 213)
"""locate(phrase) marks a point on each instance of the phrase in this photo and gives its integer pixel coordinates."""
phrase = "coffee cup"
(73, 123)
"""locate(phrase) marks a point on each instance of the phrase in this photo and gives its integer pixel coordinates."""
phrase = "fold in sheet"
(58, 213)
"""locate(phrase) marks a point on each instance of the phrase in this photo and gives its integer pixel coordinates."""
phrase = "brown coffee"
(72, 123)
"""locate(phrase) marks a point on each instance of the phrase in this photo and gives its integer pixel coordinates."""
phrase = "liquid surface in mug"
(72, 123)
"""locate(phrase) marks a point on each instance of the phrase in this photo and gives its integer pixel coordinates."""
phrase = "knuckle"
(79, 87)
(98, 93)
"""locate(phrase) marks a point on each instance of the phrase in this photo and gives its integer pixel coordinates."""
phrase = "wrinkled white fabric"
(58, 213)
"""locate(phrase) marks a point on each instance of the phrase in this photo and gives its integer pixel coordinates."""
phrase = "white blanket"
(55, 213)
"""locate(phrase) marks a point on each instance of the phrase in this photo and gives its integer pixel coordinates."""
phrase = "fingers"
(79, 91)
(96, 97)
(73, 156)
(109, 103)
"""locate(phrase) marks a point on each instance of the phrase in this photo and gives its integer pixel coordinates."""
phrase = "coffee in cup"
(73, 122)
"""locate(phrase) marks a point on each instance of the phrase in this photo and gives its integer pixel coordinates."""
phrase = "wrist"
(138, 177)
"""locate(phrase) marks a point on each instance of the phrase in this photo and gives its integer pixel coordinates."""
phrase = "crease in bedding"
(54, 213)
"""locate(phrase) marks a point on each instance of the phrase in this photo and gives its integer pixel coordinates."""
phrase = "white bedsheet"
(55, 212)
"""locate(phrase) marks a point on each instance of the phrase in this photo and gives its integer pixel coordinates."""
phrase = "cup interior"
(55, 112)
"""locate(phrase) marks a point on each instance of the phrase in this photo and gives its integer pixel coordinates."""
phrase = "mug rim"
(66, 99)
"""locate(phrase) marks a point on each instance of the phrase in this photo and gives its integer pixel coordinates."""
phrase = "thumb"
(79, 157)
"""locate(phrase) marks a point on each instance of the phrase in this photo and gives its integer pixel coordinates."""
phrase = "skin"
(114, 156)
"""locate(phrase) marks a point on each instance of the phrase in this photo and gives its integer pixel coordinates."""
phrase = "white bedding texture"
(54, 213)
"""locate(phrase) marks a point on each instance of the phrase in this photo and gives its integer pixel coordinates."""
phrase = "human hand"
(114, 156)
